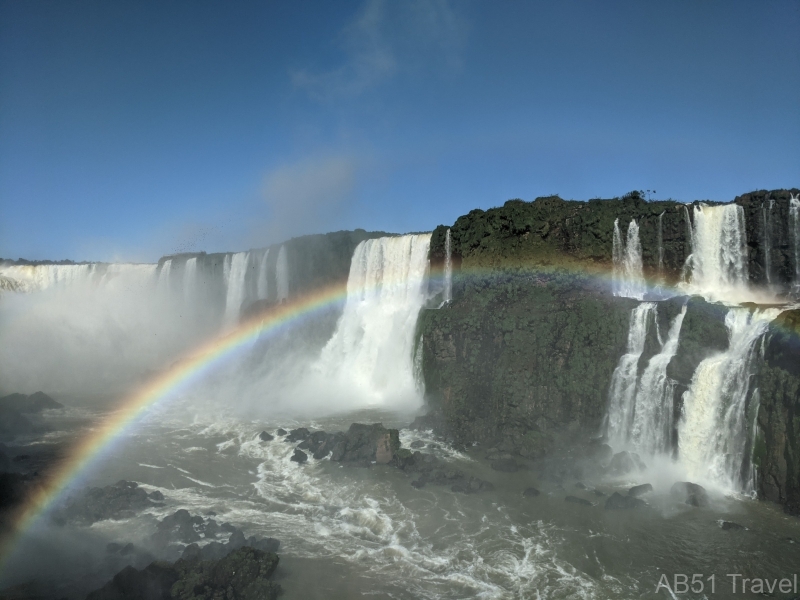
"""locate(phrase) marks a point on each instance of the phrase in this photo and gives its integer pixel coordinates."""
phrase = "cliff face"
(777, 453)
(526, 350)
(553, 232)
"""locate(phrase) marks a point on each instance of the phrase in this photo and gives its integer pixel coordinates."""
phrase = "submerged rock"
(576, 500)
(731, 526)
(640, 490)
(530, 492)
(506, 465)
(690, 493)
(619, 502)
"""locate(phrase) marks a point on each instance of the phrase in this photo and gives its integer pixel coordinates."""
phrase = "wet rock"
(433, 446)
(265, 437)
(731, 526)
(280, 431)
(576, 500)
(180, 526)
(625, 462)
(156, 496)
(416, 444)
(29, 404)
(243, 574)
(13, 488)
(506, 465)
(418, 483)
(362, 444)
(619, 502)
(690, 493)
(598, 493)
(299, 456)
(297, 435)
(530, 492)
(119, 501)
(640, 490)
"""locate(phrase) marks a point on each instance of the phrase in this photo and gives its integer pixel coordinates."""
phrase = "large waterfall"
(371, 352)
(627, 257)
(448, 269)
(716, 430)
(235, 275)
(719, 252)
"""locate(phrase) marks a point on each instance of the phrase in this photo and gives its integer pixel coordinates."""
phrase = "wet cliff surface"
(525, 352)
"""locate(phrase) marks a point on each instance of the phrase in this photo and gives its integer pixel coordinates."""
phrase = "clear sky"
(129, 130)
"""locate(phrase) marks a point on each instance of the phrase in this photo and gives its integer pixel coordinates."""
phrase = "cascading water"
(235, 275)
(652, 424)
(190, 279)
(371, 353)
(719, 254)
(716, 429)
(623, 382)
(794, 217)
(164, 281)
(687, 265)
(661, 244)
(627, 258)
(262, 286)
(448, 269)
(766, 222)
(282, 275)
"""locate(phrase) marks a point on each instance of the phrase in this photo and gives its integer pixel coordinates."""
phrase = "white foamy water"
(282, 275)
(716, 429)
(627, 258)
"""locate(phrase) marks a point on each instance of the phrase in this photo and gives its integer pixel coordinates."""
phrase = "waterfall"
(262, 287)
(687, 264)
(32, 278)
(448, 269)
(235, 273)
(282, 275)
(164, 285)
(627, 262)
(371, 353)
(190, 278)
(651, 430)
(794, 217)
(716, 429)
(622, 392)
(766, 222)
(660, 240)
(719, 254)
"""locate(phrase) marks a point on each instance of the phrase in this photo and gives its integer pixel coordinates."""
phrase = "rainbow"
(182, 375)
(196, 365)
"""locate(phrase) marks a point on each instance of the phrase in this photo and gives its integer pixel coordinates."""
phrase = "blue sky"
(129, 130)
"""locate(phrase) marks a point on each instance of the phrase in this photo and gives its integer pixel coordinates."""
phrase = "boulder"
(576, 500)
(363, 444)
(530, 492)
(297, 435)
(416, 444)
(640, 490)
(619, 502)
(119, 501)
(265, 437)
(690, 493)
(299, 456)
(280, 431)
(731, 526)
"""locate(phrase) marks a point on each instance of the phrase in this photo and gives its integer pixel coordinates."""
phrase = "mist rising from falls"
(622, 392)
(716, 434)
(627, 258)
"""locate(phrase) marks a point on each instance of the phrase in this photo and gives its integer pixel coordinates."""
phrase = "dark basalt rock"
(731, 526)
(619, 502)
(299, 456)
(243, 574)
(417, 444)
(29, 404)
(576, 500)
(265, 437)
(690, 493)
(297, 435)
(119, 501)
(640, 490)
(625, 462)
(280, 431)
(598, 493)
(530, 492)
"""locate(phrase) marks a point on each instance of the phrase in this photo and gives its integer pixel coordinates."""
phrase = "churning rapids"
(349, 531)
